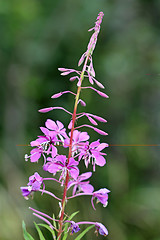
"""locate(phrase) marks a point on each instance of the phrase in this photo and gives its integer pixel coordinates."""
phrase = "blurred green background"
(37, 37)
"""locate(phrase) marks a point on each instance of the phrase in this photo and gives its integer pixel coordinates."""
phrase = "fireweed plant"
(80, 151)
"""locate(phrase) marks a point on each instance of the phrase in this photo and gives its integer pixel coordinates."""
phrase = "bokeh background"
(37, 37)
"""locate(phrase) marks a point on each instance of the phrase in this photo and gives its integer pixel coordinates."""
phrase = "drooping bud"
(100, 119)
(82, 102)
(91, 120)
(102, 94)
(44, 110)
(57, 95)
(99, 84)
(73, 78)
(100, 131)
(81, 59)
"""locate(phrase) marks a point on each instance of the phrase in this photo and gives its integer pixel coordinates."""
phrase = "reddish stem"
(70, 150)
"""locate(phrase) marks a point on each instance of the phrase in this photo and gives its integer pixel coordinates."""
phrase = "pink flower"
(57, 127)
(60, 164)
(74, 227)
(92, 152)
(102, 196)
(34, 185)
(81, 186)
(101, 229)
(43, 144)
(78, 140)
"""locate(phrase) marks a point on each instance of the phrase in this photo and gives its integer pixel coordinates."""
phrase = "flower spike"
(64, 150)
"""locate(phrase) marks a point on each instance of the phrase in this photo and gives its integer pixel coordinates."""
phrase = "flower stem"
(70, 147)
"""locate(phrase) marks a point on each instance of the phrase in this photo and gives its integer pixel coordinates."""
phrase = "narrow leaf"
(54, 222)
(39, 232)
(48, 228)
(26, 235)
(84, 232)
(72, 215)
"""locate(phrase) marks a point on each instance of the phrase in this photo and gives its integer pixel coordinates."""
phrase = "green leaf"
(84, 232)
(72, 215)
(66, 225)
(26, 235)
(54, 222)
(47, 227)
(39, 232)
(65, 235)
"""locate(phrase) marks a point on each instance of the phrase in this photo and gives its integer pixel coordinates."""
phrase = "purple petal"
(72, 162)
(44, 130)
(102, 196)
(38, 177)
(101, 228)
(75, 135)
(62, 159)
(87, 188)
(60, 125)
(85, 176)
(54, 151)
(74, 172)
(25, 191)
(100, 161)
(95, 144)
(70, 125)
(35, 155)
(37, 142)
(70, 184)
(53, 168)
(83, 136)
(102, 146)
(51, 124)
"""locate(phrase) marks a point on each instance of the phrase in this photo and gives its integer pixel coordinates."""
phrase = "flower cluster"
(65, 168)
